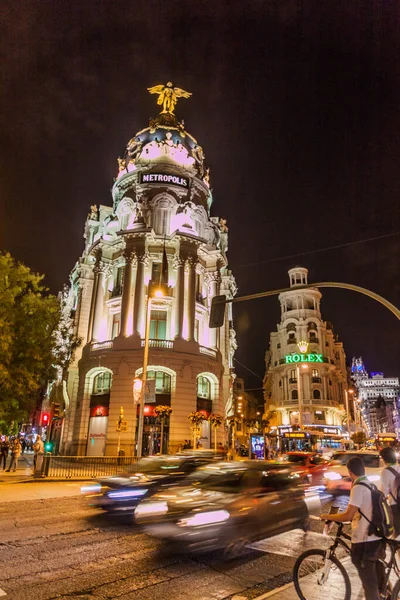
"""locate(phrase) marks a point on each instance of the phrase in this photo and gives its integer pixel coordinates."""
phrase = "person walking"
(15, 454)
(366, 548)
(390, 482)
(38, 448)
(4, 450)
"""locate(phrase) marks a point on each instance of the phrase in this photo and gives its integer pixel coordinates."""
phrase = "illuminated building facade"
(305, 363)
(157, 231)
(379, 397)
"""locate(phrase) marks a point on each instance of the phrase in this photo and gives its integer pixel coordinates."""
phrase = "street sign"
(122, 425)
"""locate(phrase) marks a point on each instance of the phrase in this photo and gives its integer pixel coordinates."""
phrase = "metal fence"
(68, 467)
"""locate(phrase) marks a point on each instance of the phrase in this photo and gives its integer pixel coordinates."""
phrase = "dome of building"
(164, 142)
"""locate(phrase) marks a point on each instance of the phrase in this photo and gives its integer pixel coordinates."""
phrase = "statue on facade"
(134, 148)
(168, 96)
(121, 164)
(198, 155)
(94, 213)
(211, 234)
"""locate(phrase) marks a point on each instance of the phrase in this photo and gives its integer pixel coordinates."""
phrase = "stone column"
(99, 301)
(138, 307)
(179, 264)
(126, 300)
(214, 280)
(191, 297)
(92, 306)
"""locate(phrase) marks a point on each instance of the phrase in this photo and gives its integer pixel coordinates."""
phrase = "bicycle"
(322, 567)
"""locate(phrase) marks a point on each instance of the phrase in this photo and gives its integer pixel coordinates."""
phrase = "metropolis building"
(158, 231)
(305, 364)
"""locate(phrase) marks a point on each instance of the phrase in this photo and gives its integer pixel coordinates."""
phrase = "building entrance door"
(96, 444)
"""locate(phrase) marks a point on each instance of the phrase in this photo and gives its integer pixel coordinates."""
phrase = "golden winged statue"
(168, 96)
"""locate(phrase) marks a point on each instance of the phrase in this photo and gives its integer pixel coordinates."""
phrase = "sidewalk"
(313, 590)
(24, 470)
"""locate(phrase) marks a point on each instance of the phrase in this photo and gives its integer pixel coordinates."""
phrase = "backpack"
(395, 497)
(382, 524)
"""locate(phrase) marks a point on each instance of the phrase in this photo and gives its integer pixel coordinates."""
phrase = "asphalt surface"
(60, 548)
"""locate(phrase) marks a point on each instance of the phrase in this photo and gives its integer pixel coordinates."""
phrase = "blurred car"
(122, 493)
(314, 465)
(337, 478)
(227, 505)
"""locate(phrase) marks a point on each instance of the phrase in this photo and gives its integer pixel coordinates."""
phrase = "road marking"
(274, 592)
(3, 593)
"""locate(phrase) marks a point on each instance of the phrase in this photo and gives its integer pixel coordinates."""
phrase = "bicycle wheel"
(315, 577)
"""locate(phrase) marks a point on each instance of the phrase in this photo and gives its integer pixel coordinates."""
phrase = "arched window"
(295, 395)
(315, 373)
(102, 383)
(163, 381)
(312, 326)
(203, 388)
(316, 395)
(291, 327)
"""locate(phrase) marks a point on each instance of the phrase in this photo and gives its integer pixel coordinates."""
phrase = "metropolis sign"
(164, 178)
(300, 358)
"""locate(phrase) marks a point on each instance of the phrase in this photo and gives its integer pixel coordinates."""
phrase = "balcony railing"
(314, 340)
(292, 341)
(292, 380)
(315, 379)
(208, 351)
(101, 345)
(167, 344)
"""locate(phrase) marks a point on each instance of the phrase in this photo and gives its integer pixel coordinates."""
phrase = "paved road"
(58, 548)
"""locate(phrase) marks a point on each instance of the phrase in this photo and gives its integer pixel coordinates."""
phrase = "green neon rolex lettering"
(296, 358)
(288, 359)
(318, 358)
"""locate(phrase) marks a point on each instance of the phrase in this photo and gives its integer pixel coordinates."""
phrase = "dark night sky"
(296, 103)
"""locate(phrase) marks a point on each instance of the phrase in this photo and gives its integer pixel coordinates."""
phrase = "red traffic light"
(45, 419)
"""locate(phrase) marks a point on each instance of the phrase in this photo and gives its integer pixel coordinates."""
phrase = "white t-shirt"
(360, 496)
(387, 484)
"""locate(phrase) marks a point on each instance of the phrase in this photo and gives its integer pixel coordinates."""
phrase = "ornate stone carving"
(129, 255)
(178, 261)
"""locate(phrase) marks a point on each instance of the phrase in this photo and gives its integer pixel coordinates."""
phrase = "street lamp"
(158, 292)
(299, 393)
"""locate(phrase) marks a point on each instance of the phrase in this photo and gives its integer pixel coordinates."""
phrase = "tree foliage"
(359, 438)
(29, 318)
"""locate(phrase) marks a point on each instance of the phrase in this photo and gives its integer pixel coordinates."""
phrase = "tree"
(196, 418)
(29, 318)
(359, 438)
(216, 420)
(163, 413)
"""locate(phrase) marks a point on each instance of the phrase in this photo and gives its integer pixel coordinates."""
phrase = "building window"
(280, 383)
(295, 395)
(163, 381)
(158, 325)
(319, 415)
(102, 383)
(291, 327)
(156, 272)
(196, 329)
(116, 323)
(315, 373)
(316, 395)
(203, 388)
(278, 346)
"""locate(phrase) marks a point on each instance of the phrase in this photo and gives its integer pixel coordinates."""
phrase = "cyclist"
(389, 485)
(365, 549)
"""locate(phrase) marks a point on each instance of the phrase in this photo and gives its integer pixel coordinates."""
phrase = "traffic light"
(48, 446)
(45, 419)
(217, 313)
